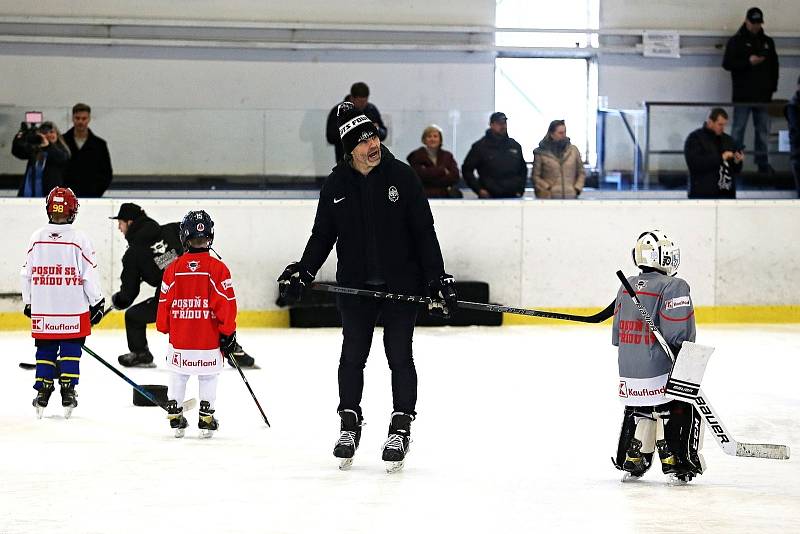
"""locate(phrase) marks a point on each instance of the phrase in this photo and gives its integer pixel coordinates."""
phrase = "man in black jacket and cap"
(151, 248)
(502, 172)
(713, 159)
(752, 60)
(373, 208)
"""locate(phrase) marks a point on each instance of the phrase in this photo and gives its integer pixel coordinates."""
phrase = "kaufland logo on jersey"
(55, 325)
(37, 324)
(625, 392)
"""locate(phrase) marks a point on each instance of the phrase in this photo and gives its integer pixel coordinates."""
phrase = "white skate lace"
(395, 442)
(348, 438)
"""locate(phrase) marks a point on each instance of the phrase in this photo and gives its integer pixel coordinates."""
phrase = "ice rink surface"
(515, 430)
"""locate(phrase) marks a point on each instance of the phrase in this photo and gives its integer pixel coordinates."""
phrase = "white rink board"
(533, 253)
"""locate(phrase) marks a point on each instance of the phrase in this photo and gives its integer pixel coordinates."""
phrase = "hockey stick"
(187, 406)
(29, 366)
(246, 383)
(598, 317)
(723, 438)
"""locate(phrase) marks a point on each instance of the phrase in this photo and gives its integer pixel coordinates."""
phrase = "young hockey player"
(651, 421)
(197, 308)
(62, 296)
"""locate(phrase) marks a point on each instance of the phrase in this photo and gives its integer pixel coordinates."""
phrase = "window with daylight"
(542, 74)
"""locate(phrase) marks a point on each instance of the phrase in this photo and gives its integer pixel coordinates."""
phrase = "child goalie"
(62, 297)
(651, 421)
(197, 308)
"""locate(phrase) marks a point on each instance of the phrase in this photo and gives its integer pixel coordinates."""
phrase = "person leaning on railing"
(557, 166)
(713, 159)
(47, 155)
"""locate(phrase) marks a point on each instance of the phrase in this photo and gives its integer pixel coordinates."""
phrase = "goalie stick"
(598, 317)
(187, 405)
(721, 435)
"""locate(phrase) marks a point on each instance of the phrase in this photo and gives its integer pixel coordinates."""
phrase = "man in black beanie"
(359, 97)
(373, 207)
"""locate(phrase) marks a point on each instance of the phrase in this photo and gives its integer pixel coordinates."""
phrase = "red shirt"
(197, 302)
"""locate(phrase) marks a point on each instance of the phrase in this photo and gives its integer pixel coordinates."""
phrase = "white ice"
(515, 432)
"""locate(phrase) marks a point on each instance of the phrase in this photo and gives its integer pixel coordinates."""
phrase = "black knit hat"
(354, 126)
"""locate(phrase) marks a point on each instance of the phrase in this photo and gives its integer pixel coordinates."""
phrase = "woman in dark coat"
(47, 156)
(435, 166)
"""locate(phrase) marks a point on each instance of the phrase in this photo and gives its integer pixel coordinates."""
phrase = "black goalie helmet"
(196, 224)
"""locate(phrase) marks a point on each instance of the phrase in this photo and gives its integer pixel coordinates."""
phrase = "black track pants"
(137, 317)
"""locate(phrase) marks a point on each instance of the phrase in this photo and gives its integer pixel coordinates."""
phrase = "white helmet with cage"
(656, 251)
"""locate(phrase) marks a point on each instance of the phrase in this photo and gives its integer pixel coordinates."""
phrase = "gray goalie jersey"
(643, 365)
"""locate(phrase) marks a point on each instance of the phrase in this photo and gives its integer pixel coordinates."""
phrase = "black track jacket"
(751, 83)
(381, 224)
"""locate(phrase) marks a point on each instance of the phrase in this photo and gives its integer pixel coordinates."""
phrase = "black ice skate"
(636, 463)
(207, 423)
(349, 438)
(679, 472)
(42, 398)
(69, 398)
(244, 360)
(142, 358)
(398, 443)
(176, 419)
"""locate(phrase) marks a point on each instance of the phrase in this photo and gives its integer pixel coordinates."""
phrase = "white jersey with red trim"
(643, 365)
(60, 281)
(196, 304)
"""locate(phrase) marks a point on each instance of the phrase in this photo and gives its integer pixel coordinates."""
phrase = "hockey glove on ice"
(96, 311)
(293, 281)
(443, 294)
(27, 311)
(227, 344)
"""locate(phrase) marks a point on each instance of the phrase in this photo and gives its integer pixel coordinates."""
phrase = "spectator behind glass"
(47, 155)
(557, 165)
(498, 159)
(88, 171)
(792, 112)
(751, 58)
(359, 96)
(713, 159)
(435, 166)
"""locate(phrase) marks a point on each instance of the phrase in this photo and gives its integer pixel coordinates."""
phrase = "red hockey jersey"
(196, 304)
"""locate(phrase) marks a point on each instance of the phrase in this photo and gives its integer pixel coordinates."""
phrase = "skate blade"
(394, 467)
(39, 412)
(206, 433)
(673, 480)
(345, 464)
(180, 432)
(628, 477)
(67, 411)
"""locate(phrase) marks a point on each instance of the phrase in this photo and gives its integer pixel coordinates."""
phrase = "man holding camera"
(751, 58)
(40, 143)
(713, 159)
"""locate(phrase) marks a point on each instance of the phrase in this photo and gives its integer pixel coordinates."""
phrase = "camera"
(30, 128)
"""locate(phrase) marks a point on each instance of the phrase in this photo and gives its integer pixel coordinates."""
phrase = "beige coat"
(555, 177)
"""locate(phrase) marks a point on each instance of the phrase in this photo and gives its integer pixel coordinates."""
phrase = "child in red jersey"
(62, 296)
(197, 308)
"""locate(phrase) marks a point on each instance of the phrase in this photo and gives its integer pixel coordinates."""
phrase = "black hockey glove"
(227, 344)
(96, 311)
(27, 310)
(444, 300)
(119, 301)
(292, 283)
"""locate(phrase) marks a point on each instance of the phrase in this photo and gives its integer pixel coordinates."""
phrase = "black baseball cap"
(498, 116)
(755, 15)
(128, 211)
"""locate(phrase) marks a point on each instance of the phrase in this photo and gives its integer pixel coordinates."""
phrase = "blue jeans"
(761, 125)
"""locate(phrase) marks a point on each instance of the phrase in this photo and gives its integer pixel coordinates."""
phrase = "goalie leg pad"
(636, 441)
(679, 438)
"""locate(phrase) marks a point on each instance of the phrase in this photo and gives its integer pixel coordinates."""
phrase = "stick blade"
(762, 450)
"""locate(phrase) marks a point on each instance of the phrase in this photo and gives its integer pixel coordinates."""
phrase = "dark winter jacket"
(382, 227)
(437, 178)
(332, 127)
(150, 249)
(751, 83)
(792, 112)
(88, 171)
(55, 155)
(500, 165)
(703, 152)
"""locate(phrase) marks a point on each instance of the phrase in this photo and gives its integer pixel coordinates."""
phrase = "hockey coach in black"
(373, 207)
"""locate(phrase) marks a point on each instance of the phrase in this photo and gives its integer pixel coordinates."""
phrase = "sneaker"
(242, 358)
(141, 358)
